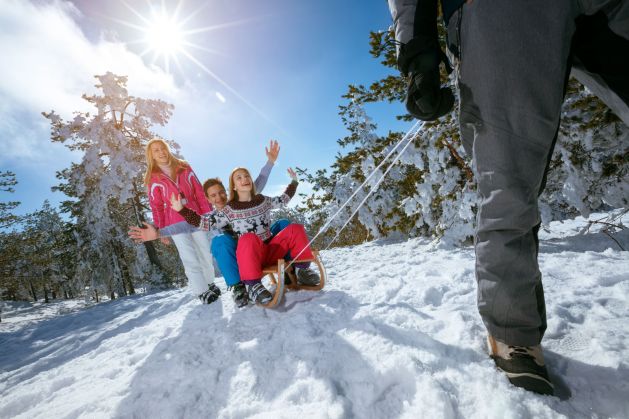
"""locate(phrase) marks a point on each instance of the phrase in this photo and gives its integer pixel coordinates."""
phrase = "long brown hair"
(174, 163)
(233, 194)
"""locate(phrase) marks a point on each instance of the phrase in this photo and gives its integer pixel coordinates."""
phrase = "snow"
(395, 333)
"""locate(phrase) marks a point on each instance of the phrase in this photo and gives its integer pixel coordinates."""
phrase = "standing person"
(514, 61)
(167, 175)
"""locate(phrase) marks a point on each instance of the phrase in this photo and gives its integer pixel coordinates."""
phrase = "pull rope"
(410, 133)
(372, 190)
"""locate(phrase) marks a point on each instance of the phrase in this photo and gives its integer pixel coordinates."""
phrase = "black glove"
(425, 98)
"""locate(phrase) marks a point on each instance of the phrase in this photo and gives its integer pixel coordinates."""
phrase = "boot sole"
(531, 382)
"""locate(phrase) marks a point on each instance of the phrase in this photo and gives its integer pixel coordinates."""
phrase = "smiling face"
(242, 181)
(241, 185)
(216, 195)
(160, 153)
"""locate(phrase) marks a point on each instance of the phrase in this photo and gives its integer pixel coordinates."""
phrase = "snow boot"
(259, 294)
(239, 294)
(523, 365)
(216, 290)
(211, 295)
(306, 276)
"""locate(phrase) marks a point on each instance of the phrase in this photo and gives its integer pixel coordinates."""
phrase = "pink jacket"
(161, 187)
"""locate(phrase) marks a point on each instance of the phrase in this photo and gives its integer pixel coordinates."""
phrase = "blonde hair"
(174, 163)
(233, 194)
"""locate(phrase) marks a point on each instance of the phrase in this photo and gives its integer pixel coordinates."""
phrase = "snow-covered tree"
(106, 185)
(7, 182)
(430, 189)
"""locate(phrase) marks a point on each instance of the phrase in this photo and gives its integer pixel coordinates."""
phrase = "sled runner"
(277, 275)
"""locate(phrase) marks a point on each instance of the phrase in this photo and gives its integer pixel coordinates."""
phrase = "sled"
(276, 275)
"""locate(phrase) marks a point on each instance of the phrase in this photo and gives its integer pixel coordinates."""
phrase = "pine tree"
(7, 182)
(430, 191)
(106, 186)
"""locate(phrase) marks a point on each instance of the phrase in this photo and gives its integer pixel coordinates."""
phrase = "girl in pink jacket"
(167, 175)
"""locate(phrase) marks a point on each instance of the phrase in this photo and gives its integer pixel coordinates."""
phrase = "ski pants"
(224, 251)
(194, 252)
(514, 64)
(253, 254)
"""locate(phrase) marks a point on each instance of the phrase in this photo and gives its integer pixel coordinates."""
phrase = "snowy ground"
(395, 333)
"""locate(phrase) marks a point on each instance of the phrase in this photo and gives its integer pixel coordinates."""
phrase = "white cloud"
(48, 62)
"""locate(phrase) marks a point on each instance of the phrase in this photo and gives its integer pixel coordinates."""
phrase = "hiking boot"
(306, 276)
(523, 365)
(239, 294)
(216, 290)
(259, 294)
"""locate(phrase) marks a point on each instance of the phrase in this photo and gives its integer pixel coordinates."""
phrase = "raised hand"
(272, 151)
(175, 202)
(292, 174)
(143, 234)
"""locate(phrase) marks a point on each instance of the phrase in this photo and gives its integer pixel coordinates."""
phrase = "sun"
(164, 36)
(167, 37)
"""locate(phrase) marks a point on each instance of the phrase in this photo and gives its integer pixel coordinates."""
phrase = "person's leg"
(250, 254)
(202, 242)
(186, 247)
(279, 225)
(513, 68)
(224, 250)
(291, 239)
(250, 257)
(601, 52)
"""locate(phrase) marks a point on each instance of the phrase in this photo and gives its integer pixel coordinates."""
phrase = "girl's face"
(242, 181)
(160, 154)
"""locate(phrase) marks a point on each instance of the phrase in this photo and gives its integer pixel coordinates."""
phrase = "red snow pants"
(253, 254)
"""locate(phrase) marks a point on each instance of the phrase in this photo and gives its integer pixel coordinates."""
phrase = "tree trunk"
(112, 295)
(30, 283)
(118, 280)
(96, 294)
(149, 246)
(129, 284)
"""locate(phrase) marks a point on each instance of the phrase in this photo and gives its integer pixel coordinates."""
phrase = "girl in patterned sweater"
(249, 215)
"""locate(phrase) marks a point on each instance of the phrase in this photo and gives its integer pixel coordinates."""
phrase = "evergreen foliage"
(105, 189)
(430, 190)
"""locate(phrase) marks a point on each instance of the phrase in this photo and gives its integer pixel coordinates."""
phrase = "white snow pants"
(194, 251)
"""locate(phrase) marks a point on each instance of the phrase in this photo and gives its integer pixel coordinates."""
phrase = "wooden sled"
(276, 274)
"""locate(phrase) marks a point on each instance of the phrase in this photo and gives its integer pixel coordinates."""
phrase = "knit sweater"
(244, 217)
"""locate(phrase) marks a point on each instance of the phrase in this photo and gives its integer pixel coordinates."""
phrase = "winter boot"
(216, 290)
(209, 296)
(239, 294)
(259, 294)
(523, 365)
(306, 276)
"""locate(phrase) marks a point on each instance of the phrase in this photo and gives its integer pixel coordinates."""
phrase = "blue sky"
(286, 63)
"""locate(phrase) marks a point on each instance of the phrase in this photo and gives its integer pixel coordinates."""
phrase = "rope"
(409, 134)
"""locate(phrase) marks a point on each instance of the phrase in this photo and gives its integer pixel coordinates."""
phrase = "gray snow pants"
(513, 68)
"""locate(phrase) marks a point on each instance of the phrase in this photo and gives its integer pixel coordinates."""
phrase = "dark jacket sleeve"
(190, 216)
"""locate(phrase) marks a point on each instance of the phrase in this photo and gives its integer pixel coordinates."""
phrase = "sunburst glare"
(165, 35)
